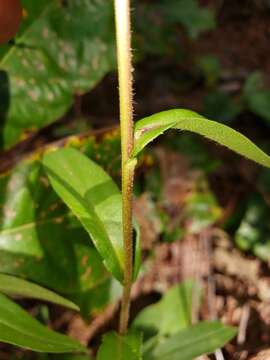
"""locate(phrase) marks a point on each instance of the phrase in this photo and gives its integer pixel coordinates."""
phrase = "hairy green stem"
(124, 58)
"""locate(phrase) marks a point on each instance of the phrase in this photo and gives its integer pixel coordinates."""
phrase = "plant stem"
(124, 57)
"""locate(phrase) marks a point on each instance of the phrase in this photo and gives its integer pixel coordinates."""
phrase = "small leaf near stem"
(123, 40)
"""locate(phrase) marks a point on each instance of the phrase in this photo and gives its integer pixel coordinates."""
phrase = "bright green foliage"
(167, 327)
(61, 50)
(39, 239)
(194, 341)
(11, 285)
(18, 328)
(171, 314)
(115, 346)
(151, 127)
(95, 199)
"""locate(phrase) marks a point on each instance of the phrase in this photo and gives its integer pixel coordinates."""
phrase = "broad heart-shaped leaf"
(95, 199)
(12, 285)
(171, 314)
(194, 341)
(115, 346)
(151, 127)
(64, 48)
(17, 327)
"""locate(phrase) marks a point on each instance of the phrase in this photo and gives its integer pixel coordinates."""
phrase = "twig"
(242, 333)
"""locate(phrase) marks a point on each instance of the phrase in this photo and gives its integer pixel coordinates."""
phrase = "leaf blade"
(149, 128)
(170, 314)
(93, 197)
(194, 341)
(18, 328)
(55, 43)
(11, 285)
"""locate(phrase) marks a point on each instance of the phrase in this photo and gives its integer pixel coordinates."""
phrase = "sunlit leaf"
(39, 239)
(12, 285)
(151, 127)
(18, 328)
(94, 198)
(194, 341)
(42, 241)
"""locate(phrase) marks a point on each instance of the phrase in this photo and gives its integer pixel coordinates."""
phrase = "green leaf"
(194, 341)
(11, 285)
(115, 346)
(171, 314)
(39, 239)
(63, 48)
(18, 328)
(42, 241)
(151, 127)
(33, 11)
(95, 199)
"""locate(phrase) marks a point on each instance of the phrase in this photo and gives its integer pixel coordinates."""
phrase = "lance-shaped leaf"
(171, 314)
(18, 328)
(12, 285)
(194, 341)
(151, 127)
(94, 198)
